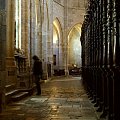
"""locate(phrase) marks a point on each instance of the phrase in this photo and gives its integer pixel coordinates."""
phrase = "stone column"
(24, 26)
(38, 26)
(24, 29)
(50, 39)
(44, 41)
(26, 46)
(2, 53)
(65, 38)
(10, 62)
(33, 28)
(61, 53)
(40, 29)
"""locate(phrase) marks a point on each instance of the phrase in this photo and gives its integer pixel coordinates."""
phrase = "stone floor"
(63, 98)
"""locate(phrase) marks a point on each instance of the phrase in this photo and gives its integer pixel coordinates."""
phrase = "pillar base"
(66, 73)
(45, 76)
(11, 71)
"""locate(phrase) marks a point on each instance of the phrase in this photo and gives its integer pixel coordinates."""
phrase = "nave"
(62, 98)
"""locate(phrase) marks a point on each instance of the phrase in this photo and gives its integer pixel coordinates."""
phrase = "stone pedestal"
(11, 71)
(66, 72)
(45, 76)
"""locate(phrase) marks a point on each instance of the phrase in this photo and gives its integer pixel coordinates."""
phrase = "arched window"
(18, 24)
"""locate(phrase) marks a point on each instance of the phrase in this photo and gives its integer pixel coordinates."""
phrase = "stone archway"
(57, 46)
(74, 47)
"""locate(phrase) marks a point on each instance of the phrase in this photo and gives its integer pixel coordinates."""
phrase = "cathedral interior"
(76, 40)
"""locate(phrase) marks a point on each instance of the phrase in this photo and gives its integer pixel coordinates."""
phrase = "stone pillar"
(44, 41)
(2, 53)
(10, 62)
(38, 29)
(61, 53)
(50, 39)
(26, 47)
(24, 29)
(32, 32)
(24, 26)
(44, 55)
(65, 38)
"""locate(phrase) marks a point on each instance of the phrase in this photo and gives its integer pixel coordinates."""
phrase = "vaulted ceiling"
(81, 4)
(75, 5)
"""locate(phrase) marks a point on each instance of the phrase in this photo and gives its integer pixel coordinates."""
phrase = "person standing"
(37, 73)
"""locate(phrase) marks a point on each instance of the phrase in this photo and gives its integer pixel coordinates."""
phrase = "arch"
(74, 46)
(57, 43)
(58, 26)
(55, 32)
(77, 26)
(58, 29)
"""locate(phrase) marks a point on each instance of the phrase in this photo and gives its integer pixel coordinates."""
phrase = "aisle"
(63, 98)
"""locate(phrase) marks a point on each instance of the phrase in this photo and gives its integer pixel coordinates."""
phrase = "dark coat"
(37, 67)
